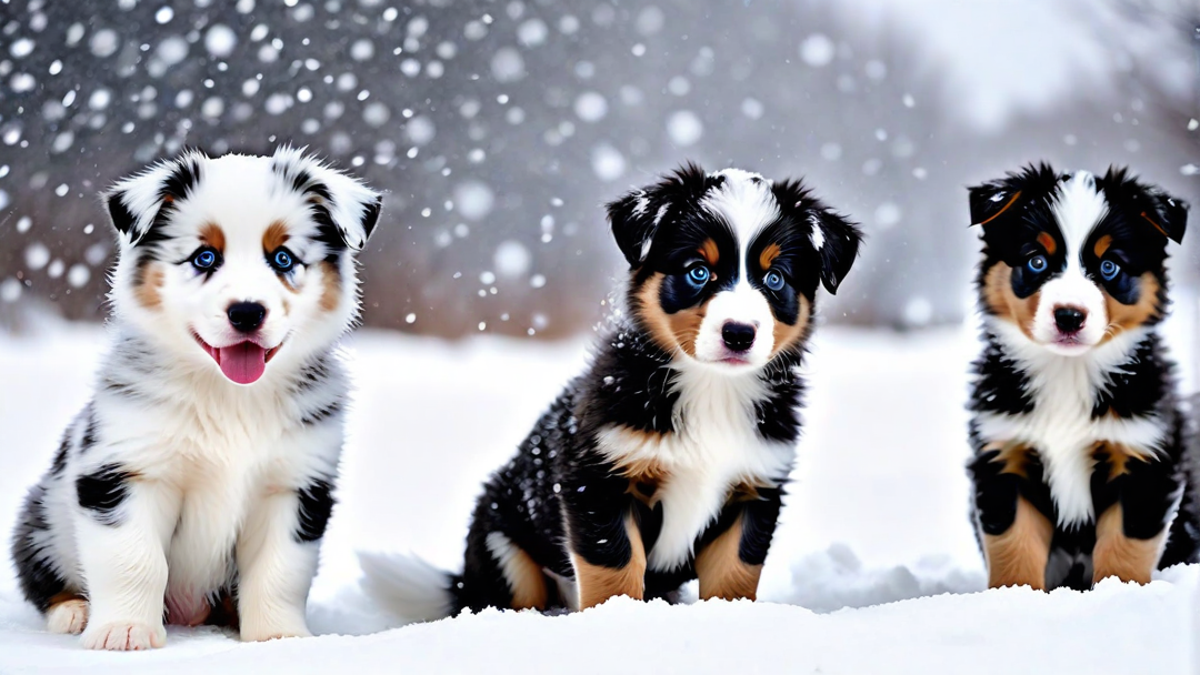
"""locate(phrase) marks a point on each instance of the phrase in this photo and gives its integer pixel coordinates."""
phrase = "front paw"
(69, 616)
(123, 636)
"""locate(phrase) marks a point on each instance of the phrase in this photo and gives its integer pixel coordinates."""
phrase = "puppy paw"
(123, 636)
(68, 617)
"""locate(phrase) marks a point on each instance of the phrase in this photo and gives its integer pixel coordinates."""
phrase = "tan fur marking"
(598, 583)
(1006, 207)
(1117, 555)
(709, 251)
(331, 287)
(768, 255)
(1014, 457)
(212, 235)
(721, 571)
(1117, 456)
(999, 296)
(669, 331)
(529, 585)
(1047, 242)
(786, 336)
(1018, 556)
(275, 236)
(1125, 317)
(1102, 245)
(149, 291)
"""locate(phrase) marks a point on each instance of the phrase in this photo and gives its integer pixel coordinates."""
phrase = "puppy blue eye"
(282, 260)
(699, 275)
(1037, 264)
(205, 259)
(1109, 270)
(773, 280)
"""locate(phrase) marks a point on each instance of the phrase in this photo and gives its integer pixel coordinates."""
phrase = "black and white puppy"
(1080, 469)
(201, 472)
(666, 460)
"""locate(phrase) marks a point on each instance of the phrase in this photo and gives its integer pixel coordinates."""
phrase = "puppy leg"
(603, 538)
(1131, 534)
(1018, 556)
(1014, 534)
(729, 564)
(497, 572)
(122, 530)
(277, 559)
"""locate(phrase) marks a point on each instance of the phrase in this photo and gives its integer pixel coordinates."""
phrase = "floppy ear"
(636, 216)
(989, 201)
(836, 239)
(339, 202)
(139, 204)
(633, 226)
(1170, 215)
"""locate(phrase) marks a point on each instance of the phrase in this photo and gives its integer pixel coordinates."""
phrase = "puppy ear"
(990, 201)
(633, 226)
(342, 205)
(836, 239)
(141, 203)
(636, 216)
(1170, 215)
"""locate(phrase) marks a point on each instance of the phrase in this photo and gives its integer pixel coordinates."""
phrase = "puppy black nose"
(246, 317)
(1069, 319)
(738, 337)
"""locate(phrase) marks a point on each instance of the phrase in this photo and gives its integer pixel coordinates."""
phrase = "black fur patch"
(39, 580)
(102, 492)
(316, 505)
(371, 216)
(321, 414)
(60, 455)
(999, 384)
(1139, 385)
(89, 432)
(758, 525)
(122, 218)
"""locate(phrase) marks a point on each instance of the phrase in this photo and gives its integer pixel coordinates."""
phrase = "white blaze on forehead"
(1078, 207)
(743, 200)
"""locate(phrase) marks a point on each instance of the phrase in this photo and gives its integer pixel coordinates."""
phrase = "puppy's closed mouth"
(243, 362)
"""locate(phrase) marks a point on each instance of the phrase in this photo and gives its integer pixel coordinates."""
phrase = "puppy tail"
(408, 587)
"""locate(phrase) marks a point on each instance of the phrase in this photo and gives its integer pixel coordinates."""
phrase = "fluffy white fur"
(217, 467)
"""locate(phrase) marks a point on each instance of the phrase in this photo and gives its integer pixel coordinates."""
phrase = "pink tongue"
(243, 363)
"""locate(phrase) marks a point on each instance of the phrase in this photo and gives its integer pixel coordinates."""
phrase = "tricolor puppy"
(666, 460)
(1080, 468)
(200, 474)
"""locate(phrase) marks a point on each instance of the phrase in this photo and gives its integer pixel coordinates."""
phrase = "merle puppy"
(197, 482)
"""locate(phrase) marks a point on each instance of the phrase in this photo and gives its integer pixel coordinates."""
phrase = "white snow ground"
(874, 569)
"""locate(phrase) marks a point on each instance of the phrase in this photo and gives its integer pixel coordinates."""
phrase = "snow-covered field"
(874, 569)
